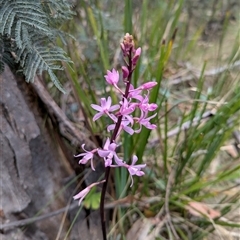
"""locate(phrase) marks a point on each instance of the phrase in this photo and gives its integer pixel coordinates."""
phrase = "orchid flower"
(88, 155)
(81, 195)
(108, 152)
(105, 108)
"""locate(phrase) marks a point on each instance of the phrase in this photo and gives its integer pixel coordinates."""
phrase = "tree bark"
(31, 168)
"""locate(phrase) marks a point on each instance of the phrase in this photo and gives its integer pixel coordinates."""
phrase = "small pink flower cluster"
(122, 115)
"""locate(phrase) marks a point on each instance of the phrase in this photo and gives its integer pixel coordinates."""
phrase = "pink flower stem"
(113, 138)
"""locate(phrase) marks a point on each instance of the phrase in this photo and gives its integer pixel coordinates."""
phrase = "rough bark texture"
(31, 169)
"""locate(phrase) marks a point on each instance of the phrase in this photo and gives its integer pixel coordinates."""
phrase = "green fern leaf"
(31, 26)
(56, 81)
(43, 59)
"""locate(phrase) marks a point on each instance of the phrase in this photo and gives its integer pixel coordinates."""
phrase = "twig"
(27, 221)
(208, 73)
(184, 126)
(125, 203)
(187, 124)
(67, 128)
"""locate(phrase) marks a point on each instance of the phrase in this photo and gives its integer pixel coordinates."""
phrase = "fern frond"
(5, 53)
(32, 28)
(55, 80)
(1, 66)
(1, 55)
(24, 11)
(43, 59)
(60, 10)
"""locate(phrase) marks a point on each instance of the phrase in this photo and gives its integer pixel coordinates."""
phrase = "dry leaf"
(199, 209)
(231, 150)
(145, 229)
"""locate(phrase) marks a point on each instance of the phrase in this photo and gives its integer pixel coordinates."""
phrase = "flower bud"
(125, 72)
(148, 85)
(127, 45)
(128, 41)
(136, 56)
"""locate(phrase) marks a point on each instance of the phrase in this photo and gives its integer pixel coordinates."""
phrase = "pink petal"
(148, 85)
(108, 162)
(118, 161)
(80, 155)
(140, 173)
(132, 170)
(103, 102)
(108, 103)
(83, 147)
(128, 130)
(103, 153)
(97, 116)
(134, 159)
(92, 165)
(111, 127)
(81, 194)
(151, 126)
(106, 144)
(83, 161)
(140, 166)
(129, 118)
(154, 115)
(114, 108)
(152, 107)
(96, 107)
(112, 147)
(131, 180)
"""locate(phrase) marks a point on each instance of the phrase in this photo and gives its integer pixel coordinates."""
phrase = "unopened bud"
(148, 85)
(128, 41)
(136, 56)
(125, 71)
(127, 45)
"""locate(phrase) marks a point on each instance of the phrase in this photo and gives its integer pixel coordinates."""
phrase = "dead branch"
(67, 128)
(197, 73)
